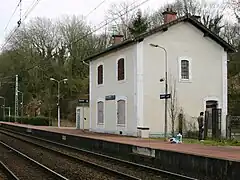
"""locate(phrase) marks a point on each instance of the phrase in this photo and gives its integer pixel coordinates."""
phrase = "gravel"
(22, 168)
(141, 173)
(2, 175)
(66, 167)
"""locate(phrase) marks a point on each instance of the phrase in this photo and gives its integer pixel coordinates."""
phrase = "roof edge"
(227, 47)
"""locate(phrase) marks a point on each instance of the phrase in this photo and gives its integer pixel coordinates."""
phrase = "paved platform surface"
(221, 152)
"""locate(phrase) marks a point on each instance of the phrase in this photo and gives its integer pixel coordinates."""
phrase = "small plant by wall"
(186, 125)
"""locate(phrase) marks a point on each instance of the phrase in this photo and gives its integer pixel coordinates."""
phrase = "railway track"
(6, 173)
(24, 167)
(69, 166)
(131, 169)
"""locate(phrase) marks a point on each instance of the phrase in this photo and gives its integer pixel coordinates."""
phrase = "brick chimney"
(117, 39)
(169, 15)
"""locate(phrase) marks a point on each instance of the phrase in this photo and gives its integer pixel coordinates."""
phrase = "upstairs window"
(120, 69)
(184, 69)
(100, 74)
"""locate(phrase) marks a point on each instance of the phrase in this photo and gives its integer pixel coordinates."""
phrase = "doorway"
(78, 117)
(212, 119)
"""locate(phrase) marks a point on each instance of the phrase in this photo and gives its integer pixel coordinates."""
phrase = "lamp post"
(1, 97)
(166, 85)
(58, 96)
(21, 102)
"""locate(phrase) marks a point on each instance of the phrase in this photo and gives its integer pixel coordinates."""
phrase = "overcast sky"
(56, 8)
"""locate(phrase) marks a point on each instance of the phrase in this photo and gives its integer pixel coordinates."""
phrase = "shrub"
(37, 121)
(191, 134)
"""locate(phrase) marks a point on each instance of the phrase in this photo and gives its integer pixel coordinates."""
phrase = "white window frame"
(98, 64)
(180, 69)
(125, 99)
(100, 124)
(125, 69)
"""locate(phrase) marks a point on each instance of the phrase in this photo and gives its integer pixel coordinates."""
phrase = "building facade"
(125, 82)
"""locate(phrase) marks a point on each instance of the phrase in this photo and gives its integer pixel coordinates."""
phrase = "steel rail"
(156, 170)
(168, 173)
(7, 172)
(53, 173)
(101, 168)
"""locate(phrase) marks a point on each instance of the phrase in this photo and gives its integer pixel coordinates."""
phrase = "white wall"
(111, 86)
(207, 60)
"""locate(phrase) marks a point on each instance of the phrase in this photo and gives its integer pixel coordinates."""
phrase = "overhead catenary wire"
(30, 9)
(95, 8)
(98, 28)
(105, 23)
(27, 12)
(15, 10)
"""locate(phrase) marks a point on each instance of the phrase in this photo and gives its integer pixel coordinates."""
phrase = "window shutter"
(100, 74)
(121, 69)
(100, 112)
(121, 112)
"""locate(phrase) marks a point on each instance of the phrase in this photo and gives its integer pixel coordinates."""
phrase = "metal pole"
(59, 124)
(58, 96)
(16, 99)
(3, 108)
(22, 104)
(166, 86)
(9, 113)
(166, 91)
(83, 117)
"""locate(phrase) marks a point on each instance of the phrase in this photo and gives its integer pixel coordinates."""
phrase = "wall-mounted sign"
(83, 100)
(165, 96)
(110, 97)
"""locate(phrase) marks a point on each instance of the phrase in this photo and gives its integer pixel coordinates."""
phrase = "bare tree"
(235, 6)
(210, 13)
(122, 15)
(231, 33)
(173, 106)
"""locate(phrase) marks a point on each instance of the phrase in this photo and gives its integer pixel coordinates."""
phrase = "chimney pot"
(169, 15)
(117, 39)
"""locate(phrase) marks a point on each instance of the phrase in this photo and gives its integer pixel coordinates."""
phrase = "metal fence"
(233, 127)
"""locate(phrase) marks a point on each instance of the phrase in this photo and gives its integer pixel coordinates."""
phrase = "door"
(211, 119)
(216, 121)
(78, 117)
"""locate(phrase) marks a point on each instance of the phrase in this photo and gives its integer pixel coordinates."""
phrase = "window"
(120, 69)
(100, 112)
(100, 74)
(184, 69)
(121, 113)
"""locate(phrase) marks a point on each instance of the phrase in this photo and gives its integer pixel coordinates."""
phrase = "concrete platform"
(200, 161)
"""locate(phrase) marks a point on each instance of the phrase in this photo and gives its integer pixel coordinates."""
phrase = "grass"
(209, 142)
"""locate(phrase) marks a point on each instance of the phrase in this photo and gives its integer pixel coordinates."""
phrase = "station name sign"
(83, 101)
(110, 97)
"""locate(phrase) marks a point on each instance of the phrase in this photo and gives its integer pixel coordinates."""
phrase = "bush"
(37, 121)
(191, 134)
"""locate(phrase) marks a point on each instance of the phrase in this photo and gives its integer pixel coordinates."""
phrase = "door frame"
(210, 98)
(78, 108)
(126, 119)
